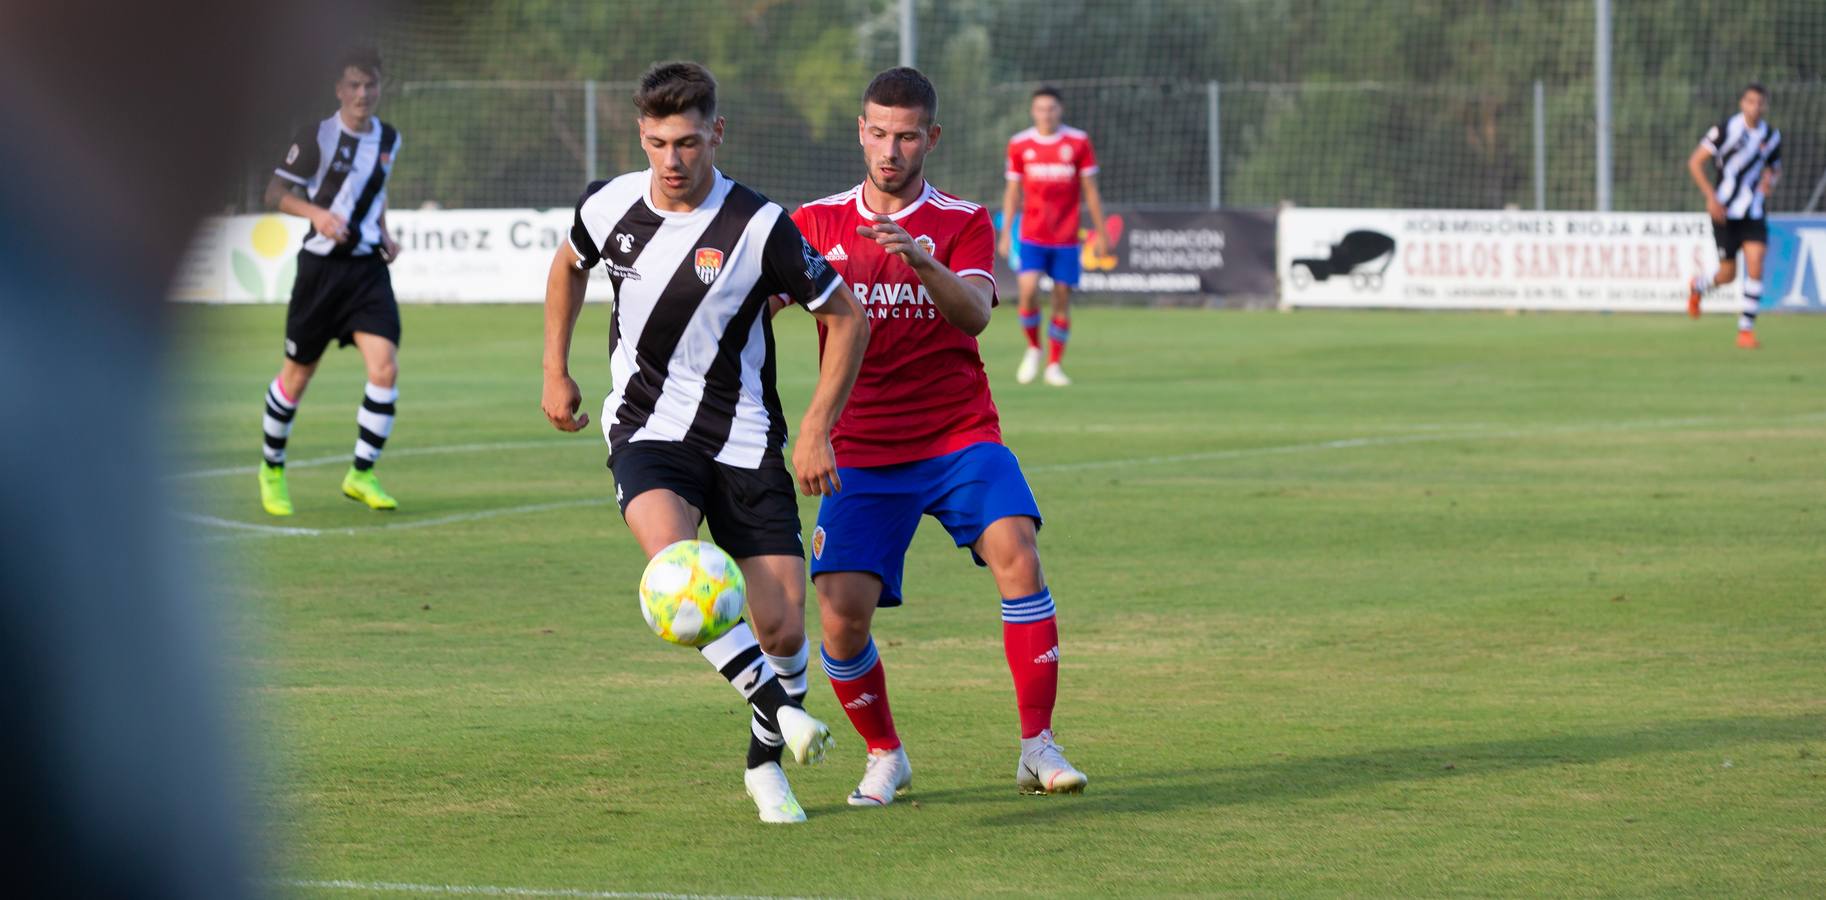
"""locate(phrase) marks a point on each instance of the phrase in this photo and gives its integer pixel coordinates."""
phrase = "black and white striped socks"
(1753, 302)
(737, 655)
(277, 423)
(373, 423)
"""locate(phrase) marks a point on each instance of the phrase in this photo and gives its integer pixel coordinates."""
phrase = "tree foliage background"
(1414, 103)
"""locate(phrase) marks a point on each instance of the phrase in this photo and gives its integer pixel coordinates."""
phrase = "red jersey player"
(1049, 166)
(920, 436)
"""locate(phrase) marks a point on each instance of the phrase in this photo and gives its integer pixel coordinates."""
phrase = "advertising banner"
(450, 256)
(1795, 274)
(1213, 252)
(1449, 259)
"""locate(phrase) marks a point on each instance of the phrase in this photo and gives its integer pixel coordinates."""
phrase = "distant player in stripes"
(921, 437)
(1746, 152)
(694, 425)
(1050, 167)
(335, 174)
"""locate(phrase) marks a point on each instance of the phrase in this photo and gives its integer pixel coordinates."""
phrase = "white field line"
(249, 529)
(482, 890)
(252, 530)
(392, 454)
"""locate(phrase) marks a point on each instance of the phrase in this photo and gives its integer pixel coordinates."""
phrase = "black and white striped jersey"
(346, 174)
(691, 350)
(1740, 154)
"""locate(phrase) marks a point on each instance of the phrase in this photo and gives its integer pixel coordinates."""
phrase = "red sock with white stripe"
(862, 687)
(1030, 640)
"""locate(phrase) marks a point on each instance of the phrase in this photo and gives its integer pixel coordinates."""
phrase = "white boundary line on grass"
(482, 890)
(252, 530)
(391, 454)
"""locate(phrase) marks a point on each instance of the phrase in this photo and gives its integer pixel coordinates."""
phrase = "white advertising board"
(447, 256)
(1450, 259)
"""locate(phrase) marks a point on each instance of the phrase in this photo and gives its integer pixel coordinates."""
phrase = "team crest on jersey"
(291, 156)
(708, 262)
(926, 243)
(1029, 154)
(1065, 152)
(818, 542)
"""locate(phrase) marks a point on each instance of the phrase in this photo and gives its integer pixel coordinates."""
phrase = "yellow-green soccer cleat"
(273, 494)
(363, 486)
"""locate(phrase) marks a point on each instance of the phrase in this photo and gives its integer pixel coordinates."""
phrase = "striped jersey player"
(920, 436)
(334, 174)
(1746, 154)
(694, 423)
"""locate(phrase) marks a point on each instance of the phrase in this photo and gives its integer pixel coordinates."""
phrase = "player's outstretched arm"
(564, 288)
(846, 339)
(283, 196)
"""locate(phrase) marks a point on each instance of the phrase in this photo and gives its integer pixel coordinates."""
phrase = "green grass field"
(1352, 604)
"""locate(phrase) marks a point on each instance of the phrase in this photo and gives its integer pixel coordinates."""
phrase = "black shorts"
(1735, 233)
(333, 298)
(752, 512)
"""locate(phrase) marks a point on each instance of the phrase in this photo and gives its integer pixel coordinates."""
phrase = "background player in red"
(920, 436)
(1049, 166)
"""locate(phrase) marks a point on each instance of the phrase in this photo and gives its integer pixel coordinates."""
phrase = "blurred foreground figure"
(122, 119)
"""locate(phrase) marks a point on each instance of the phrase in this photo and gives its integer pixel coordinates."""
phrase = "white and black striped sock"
(737, 655)
(374, 421)
(277, 424)
(791, 670)
(1753, 302)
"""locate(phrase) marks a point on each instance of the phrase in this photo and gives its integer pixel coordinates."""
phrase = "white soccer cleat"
(887, 776)
(806, 737)
(1055, 376)
(1030, 366)
(1044, 770)
(773, 797)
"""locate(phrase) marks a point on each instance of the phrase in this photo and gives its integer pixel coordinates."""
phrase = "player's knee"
(383, 373)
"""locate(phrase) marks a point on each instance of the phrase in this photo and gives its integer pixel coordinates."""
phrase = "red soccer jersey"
(1050, 169)
(922, 391)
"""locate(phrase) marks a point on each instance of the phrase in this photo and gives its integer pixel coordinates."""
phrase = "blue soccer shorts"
(868, 526)
(1059, 263)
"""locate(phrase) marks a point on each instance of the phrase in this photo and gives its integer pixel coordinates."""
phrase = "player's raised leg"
(1030, 641)
(776, 607)
(846, 608)
(282, 397)
(373, 420)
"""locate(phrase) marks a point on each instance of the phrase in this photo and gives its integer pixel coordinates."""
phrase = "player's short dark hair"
(1046, 90)
(365, 60)
(904, 87)
(1756, 86)
(670, 88)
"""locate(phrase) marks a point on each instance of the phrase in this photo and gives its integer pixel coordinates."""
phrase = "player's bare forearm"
(1696, 167)
(846, 339)
(964, 302)
(283, 196)
(565, 286)
(1011, 196)
(1094, 199)
(560, 397)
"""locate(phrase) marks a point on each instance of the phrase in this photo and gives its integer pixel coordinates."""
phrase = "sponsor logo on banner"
(1489, 259)
(1209, 252)
(1795, 274)
(708, 262)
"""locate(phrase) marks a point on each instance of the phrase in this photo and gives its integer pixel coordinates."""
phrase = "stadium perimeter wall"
(1376, 258)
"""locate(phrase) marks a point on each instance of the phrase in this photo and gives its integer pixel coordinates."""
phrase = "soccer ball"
(692, 593)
